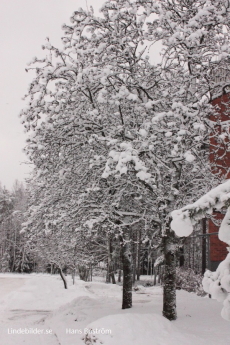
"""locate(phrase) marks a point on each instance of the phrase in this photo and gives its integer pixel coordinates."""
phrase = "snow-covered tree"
(106, 124)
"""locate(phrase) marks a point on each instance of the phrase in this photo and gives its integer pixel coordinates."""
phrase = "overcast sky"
(24, 25)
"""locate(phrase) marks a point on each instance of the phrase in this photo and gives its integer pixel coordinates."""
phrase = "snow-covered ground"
(37, 310)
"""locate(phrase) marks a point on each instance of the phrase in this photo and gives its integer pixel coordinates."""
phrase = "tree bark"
(169, 279)
(204, 230)
(138, 253)
(159, 274)
(63, 278)
(110, 272)
(134, 250)
(155, 276)
(119, 276)
(73, 275)
(127, 270)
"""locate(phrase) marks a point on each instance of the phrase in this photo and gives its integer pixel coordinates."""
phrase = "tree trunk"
(63, 278)
(155, 276)
(119, 276)
(169, 279)
(110, 271)
(204, 230)
(73, 275)
(134, 258)
(120, 265)
(91, 273)
(138, 252)
(127, 271)
(107, 278)
(159, 274)
(113, 277)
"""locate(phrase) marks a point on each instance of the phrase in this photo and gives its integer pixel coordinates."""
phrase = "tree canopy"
(116, 139)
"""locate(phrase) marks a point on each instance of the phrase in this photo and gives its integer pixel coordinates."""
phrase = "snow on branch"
(184, 218)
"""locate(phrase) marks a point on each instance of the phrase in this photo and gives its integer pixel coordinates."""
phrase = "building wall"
(218, 149)
(221, 157)
(218, 249)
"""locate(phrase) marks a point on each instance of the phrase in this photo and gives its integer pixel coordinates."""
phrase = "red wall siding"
(218, 153)
(221, 157)
(218, 249)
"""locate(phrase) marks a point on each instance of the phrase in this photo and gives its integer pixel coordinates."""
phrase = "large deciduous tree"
(106, 124)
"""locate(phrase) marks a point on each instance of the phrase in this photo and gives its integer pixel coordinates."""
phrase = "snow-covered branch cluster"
(184, 218)
(218, 285)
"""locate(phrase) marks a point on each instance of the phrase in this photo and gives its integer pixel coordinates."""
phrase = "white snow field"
(36, 310)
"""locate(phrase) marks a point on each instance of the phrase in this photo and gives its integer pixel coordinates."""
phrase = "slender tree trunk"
(169, 281)
(110, 272)
(119, 276)
(120, 265)
(134, 251)
(155, 276)
(63, 278)
(151, 267)
(14, 249)
(127, 270)
(112, 275)
(159, 274)
(204, 230)
(107, 278)
(73, 275)
(138, 253)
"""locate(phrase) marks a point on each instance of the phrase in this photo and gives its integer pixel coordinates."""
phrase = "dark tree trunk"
(63, 278)
(91, 273)
(107, 278)
(204, 230)
(134, 251)
(155, 276)
(113, 277)
(119, 276)
(138, 253)
(120, 265)
(159, 274)
(110, 271)
(127, 271)
(169, 279)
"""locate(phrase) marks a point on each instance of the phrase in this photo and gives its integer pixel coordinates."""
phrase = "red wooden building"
(220, 156)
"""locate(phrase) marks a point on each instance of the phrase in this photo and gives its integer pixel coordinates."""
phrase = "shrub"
(188, 280)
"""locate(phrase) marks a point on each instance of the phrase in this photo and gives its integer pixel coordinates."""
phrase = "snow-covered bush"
(218, 285)
(188, 280)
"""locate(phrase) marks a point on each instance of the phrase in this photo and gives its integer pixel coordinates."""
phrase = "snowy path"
(40, 303)
(20, 315)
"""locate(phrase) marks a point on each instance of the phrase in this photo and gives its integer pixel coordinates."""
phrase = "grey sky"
(24, 25)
